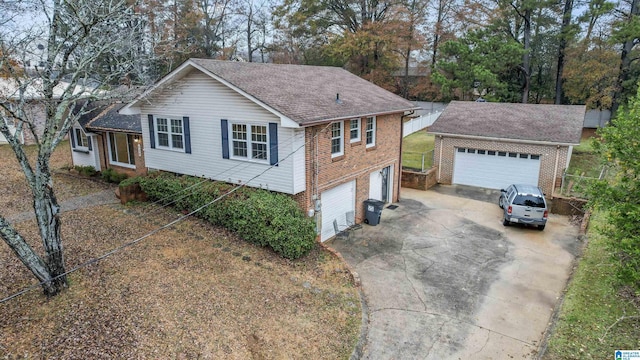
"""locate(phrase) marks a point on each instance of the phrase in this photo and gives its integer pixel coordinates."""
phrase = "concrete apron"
(444, 279)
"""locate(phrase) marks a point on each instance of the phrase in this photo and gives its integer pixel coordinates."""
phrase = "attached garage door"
(494, 169)
(335, 204)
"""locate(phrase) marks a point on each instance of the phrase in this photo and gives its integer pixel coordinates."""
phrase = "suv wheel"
(500, 202)
(505, 222)
(541, 227)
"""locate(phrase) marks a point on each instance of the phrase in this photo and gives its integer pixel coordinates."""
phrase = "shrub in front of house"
(110, 175)
(258, 216)
(86, 170)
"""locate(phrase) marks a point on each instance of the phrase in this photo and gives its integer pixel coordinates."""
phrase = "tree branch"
(620, 319)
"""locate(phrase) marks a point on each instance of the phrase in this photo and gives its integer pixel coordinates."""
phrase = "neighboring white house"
(32, 92)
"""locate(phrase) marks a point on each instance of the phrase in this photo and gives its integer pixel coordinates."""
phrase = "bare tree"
(76, 37)
(254, 16)
(412, 16)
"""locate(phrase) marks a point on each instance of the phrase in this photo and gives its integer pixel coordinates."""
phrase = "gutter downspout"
(399, 185)
(440, 158)
(555, 171)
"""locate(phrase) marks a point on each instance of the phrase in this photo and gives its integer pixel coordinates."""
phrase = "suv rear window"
(529, 200)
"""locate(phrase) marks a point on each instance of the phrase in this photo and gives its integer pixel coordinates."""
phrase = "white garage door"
(494, 169)
(335, 204)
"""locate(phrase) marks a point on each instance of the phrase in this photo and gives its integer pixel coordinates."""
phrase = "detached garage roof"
(528, 122)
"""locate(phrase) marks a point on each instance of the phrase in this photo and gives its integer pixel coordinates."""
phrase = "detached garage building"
(493, 145)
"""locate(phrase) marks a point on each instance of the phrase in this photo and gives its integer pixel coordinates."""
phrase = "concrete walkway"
(444, 279)
(80, 202)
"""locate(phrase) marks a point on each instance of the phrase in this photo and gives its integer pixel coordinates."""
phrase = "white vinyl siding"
(206, 102)
(86, 157)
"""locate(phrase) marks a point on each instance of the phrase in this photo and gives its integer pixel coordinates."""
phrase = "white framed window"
(121, 149)
(239, 140)
(82, 141)
(354, 130)
(337, 139)
(249, 142)
(259, 143)
(169, 133)
(370, 131)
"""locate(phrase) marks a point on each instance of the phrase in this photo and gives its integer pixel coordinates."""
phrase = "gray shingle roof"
(101, 115)
(530, 122)
(110, 119)
(307, 94)
(90, 111)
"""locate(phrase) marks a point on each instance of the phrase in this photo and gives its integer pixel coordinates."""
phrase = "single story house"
(493, 145)
(105, 139)
(320, 134)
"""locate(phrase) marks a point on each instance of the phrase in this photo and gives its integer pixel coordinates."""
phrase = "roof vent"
(338, 101)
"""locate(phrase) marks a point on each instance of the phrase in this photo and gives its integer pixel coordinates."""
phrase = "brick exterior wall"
(35, 111)
(419, 180)
(140, 169)
(445, 151)
(357, 163)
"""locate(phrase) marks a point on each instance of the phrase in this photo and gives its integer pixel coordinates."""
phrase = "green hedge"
(258, 216)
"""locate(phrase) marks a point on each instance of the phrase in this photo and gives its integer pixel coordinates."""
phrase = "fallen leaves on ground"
(189, 291)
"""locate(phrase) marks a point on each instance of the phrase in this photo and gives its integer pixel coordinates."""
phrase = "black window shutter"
(152, 134)
(273, 143)
(72, 135)
(89, 143)
(187, 134)
(224, 124)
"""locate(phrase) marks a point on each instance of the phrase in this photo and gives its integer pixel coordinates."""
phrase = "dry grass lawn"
(191, 291)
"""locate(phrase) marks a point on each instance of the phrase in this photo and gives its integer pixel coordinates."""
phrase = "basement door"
(381, 184)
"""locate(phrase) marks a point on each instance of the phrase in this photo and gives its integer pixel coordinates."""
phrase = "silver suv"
(524, 204)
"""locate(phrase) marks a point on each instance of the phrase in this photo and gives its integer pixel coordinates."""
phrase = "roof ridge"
(102, 113)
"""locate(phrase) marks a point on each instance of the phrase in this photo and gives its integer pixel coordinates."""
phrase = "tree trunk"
(526, 58)
(437, 34)
(405, 80)
(625, 64)
(47, 213)
(249, 33)
(566, 21)
(27, 256)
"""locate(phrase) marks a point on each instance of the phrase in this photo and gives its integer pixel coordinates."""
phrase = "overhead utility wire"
(133, 242)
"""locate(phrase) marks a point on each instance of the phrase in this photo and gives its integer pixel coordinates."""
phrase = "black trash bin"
(373, 211)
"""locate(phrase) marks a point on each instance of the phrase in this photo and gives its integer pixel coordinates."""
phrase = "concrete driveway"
(444, 279)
